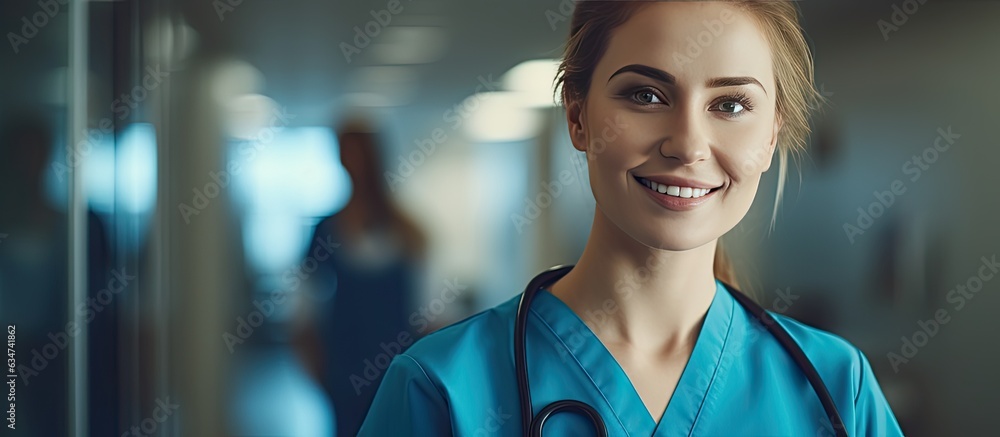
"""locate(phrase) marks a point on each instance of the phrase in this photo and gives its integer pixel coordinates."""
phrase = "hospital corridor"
(443, 217)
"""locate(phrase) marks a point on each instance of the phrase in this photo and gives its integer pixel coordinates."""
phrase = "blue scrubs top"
(739, 380)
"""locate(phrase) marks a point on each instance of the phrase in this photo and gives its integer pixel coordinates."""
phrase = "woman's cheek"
(746, 159)
(612, 151)
(606, 131)
(750, 164)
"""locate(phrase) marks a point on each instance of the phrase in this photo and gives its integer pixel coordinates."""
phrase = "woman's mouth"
(675, 190)
(676, 197)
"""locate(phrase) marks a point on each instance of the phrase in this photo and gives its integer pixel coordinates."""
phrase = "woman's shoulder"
(819, 345)
(818, 342)
(849, 377)
(419, 390)
(480, 336)
(835, 357)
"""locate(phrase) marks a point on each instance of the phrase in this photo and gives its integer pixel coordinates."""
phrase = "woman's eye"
(646, 97)
(731, 107)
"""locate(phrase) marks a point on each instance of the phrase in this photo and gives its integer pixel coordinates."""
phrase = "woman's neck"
(631, 294)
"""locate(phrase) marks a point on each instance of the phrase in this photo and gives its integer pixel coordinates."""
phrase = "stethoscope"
(534, 423)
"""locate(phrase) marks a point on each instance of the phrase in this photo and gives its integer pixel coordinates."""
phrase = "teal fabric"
(739, 380)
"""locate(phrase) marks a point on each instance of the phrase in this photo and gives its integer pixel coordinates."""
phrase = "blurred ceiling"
(297, 44)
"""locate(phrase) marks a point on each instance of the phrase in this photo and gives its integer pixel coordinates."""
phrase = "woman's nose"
(687, 138)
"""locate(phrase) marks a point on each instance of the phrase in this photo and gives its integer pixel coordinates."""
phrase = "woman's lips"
(675, 197)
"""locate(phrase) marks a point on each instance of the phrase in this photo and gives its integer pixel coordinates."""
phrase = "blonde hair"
(797, 97)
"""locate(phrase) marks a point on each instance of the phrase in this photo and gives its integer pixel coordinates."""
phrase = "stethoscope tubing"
(532, 424)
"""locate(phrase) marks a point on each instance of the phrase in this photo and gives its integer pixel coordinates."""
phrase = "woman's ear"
(576, 123)
(774, 142)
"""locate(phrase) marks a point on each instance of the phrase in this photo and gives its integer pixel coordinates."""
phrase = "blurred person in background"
(367, 287)
(647, 333)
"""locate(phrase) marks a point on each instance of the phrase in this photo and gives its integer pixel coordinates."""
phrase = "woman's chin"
(675, 239)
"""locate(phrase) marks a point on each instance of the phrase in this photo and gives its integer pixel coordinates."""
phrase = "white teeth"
(673, 190)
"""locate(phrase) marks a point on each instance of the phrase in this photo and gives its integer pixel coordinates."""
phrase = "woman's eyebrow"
(719, 82)
(645, 70)
(667, 78)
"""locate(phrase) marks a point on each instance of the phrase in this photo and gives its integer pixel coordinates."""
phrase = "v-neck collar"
(692, 392)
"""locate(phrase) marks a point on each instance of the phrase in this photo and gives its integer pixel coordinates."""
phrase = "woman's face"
(684, 97)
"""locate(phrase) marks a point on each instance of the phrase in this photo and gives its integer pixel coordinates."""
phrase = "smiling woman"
(699, 119)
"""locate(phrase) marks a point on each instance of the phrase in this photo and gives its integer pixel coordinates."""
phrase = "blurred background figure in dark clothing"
(365, 291)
